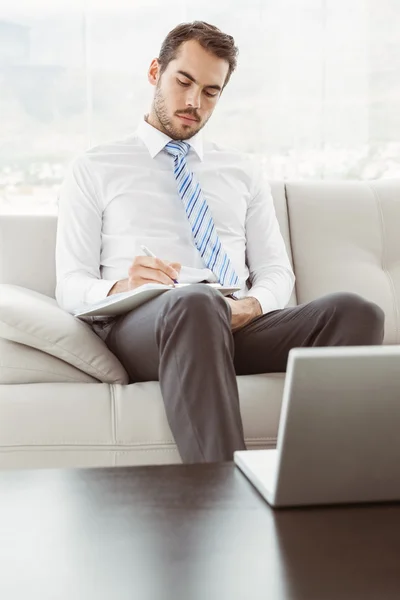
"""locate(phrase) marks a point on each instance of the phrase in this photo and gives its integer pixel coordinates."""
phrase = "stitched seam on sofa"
(86, 445)
(72, 443)
(290, 240)
(113, 413)
(54, 344)
(120, 452)
(50, 448)
(150, 443)
(44, 371)
(103, 445)
(395, 303)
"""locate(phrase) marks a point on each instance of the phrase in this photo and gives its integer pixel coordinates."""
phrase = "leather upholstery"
(343, 237)
(31, 318)
(98, 424)
(22, 364)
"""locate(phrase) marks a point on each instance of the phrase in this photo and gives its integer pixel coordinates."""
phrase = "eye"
(183, 83)
(211, 95)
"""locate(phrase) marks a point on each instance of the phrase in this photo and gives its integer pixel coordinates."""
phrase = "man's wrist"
(252, 305)
(119, 287)
(248, 308)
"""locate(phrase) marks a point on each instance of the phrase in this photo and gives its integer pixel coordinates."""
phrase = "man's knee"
(198, 300)
(366, 319)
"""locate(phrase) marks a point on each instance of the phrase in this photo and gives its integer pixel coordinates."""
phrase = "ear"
(153, 74)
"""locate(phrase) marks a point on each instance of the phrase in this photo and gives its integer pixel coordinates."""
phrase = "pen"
(150, 253)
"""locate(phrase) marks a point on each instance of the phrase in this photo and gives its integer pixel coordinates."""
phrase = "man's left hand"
(243, 311)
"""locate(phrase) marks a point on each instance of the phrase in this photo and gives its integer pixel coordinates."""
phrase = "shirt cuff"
(98, 290)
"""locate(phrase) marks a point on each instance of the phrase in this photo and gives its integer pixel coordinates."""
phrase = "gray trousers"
(183, 339)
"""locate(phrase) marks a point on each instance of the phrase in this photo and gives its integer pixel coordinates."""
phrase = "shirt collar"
(155, 140)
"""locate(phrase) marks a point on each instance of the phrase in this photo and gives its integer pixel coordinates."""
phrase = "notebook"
(118, 304)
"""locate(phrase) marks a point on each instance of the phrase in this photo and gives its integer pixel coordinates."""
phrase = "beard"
(175, 132)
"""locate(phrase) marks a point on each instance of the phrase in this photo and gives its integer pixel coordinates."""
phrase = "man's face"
(188, 90)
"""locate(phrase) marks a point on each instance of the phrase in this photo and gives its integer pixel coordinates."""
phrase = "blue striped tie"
(199, 215)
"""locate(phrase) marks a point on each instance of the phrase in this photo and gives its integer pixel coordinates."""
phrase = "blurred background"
(316, 94)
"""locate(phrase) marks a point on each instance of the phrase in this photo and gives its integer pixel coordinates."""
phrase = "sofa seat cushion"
(98, 425)
(23, 364)
(30, 318)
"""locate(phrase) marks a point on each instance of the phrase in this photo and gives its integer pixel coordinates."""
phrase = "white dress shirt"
(121, 195)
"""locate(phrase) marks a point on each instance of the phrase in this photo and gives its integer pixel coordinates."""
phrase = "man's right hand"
(146, 269)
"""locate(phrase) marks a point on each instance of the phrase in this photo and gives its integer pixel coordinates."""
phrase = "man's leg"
(339, 319)
(183, 339)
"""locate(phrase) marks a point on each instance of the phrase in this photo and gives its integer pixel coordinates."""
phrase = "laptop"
(339, 430)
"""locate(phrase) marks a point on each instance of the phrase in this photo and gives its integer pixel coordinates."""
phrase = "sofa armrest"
(36, 320)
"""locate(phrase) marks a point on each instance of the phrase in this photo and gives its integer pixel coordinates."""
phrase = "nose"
(193, 98)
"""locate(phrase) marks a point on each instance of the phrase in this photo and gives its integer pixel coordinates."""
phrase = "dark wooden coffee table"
(185, 532)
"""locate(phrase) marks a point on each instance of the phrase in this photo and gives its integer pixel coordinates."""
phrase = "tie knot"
(177, 149)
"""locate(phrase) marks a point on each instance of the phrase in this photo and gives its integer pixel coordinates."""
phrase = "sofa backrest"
(27, 246)
(345, 237)
(340, 236)
(279, 196)
(27, 251)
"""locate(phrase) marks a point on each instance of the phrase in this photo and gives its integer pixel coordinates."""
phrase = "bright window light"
(315, 95)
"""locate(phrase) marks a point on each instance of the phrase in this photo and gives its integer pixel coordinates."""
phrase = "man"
(209, 209)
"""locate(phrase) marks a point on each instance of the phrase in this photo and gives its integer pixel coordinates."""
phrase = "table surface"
(185, 532)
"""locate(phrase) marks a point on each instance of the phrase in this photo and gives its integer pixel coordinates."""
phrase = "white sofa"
(64, 399)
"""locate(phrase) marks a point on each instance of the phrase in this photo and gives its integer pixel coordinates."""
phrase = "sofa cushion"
(30, 318)
(31, 264)
(345, 238)
(23, 364)
(279, 196)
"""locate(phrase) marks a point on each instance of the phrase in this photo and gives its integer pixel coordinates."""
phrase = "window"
(316, 93)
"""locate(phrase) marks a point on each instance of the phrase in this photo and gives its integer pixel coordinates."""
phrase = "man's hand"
(146, 269)
(243, 311)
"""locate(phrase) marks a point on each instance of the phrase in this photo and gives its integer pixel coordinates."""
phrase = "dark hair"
(209, 37)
